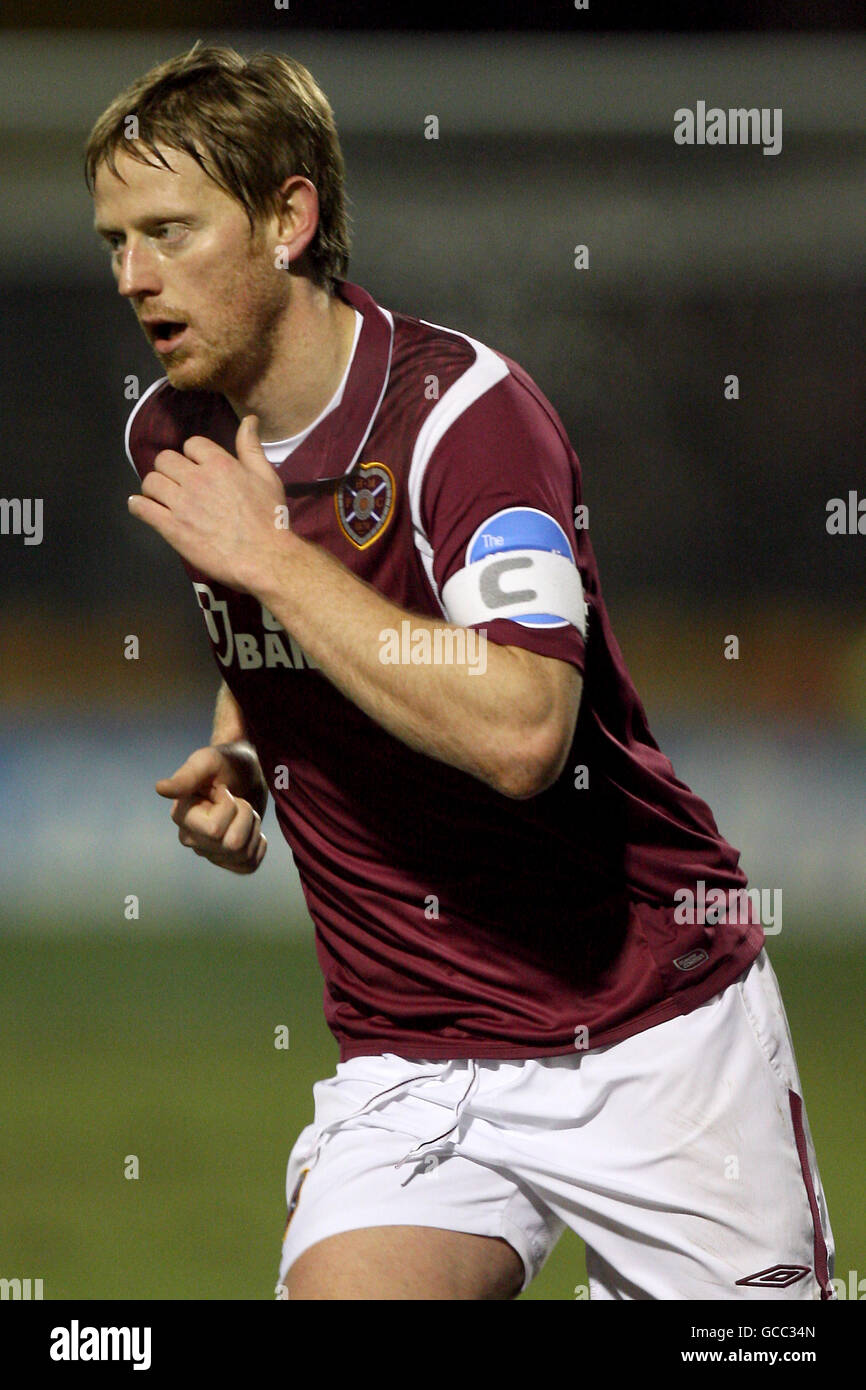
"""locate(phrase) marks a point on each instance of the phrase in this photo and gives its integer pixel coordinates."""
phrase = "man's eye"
(170, 231)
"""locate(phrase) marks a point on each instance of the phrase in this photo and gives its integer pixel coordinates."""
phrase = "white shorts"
(681, 1156)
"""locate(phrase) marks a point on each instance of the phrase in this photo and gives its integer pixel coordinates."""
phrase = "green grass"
(163, 1048)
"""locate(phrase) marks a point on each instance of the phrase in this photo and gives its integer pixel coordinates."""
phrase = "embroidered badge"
(365, 503)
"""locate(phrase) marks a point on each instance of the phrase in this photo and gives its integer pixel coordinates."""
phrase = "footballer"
(533, 1032)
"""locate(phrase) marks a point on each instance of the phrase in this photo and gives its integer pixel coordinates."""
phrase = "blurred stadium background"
(155, 1037)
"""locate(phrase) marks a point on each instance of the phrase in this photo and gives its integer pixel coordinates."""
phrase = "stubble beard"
(228, 372)
(235, 369)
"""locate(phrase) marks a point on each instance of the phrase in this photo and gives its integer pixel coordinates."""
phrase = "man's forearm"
(231, 737)
(496, 726)
(228, 721)
(511, 728)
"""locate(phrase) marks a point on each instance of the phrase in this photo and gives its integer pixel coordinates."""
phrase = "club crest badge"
(365, 503)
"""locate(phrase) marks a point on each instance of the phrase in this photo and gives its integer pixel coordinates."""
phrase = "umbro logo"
(776, 1277)
(692, 960)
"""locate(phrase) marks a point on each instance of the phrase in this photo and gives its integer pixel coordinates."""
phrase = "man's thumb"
(193, 778)
(249, 446)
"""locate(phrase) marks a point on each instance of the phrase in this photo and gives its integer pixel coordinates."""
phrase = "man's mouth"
(166, 334)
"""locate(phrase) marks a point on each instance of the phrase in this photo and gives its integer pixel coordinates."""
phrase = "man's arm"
(229, 736)
(219, 794)
(511, 726)
(228, 721)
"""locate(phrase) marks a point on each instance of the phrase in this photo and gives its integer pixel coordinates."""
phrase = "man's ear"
(297, 214)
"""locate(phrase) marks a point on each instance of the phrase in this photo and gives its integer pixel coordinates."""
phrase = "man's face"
(207, 294)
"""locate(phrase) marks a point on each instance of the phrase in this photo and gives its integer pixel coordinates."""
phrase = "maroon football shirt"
(452, 921)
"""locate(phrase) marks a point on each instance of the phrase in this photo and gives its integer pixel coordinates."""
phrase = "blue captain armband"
(519, 565)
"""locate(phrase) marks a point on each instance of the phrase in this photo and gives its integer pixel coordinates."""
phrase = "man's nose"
(138, 272)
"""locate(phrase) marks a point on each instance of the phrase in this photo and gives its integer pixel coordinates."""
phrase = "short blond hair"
(249, 123)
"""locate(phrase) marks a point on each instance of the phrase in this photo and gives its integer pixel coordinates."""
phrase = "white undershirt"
(279, 449)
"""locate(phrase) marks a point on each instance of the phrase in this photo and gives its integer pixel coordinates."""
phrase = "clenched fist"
(219, 797)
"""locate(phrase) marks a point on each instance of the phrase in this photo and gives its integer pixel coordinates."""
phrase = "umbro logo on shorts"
(776, 1277)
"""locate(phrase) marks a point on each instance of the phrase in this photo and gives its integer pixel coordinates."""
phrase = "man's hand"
(214, 796)
(220, 513)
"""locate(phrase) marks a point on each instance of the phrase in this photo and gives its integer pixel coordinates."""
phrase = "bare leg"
(406, 1262)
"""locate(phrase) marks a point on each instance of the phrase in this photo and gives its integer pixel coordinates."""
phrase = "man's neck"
(310, 357)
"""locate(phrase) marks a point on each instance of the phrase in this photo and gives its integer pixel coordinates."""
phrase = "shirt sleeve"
(498, 509)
